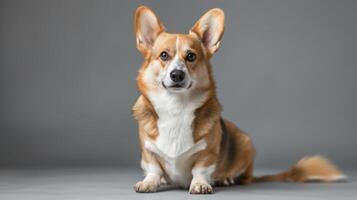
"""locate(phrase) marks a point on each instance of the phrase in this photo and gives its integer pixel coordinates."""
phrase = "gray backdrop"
(286, 73)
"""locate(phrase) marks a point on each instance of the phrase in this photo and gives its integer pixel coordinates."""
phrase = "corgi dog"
(184, 139)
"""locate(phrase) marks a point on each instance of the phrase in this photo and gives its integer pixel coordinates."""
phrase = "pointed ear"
(209, 29)
(147, 27)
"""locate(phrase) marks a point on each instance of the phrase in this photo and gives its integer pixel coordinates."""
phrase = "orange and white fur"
(184, 140)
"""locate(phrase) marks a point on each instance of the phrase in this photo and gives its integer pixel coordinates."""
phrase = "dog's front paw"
(146, 187)
(201, 188)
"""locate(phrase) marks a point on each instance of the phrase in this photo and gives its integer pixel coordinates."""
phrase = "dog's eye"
(190, 57)
(164, 56)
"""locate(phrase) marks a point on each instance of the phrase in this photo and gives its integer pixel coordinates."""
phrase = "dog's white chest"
(176, 115)
(175, 144)
(175, 132)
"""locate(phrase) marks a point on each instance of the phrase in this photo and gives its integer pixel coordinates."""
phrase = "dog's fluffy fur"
(180, 128)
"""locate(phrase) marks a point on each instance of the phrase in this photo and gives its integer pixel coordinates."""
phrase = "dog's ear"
(147, 27)
(209, 29)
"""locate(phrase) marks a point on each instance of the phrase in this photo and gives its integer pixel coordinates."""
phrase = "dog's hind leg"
(237, 154)
(246, 177)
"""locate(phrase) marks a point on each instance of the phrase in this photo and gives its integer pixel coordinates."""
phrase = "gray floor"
(117, 184)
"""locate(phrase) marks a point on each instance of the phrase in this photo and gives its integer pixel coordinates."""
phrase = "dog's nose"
(177, 75)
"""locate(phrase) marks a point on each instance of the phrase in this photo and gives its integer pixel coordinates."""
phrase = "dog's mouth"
(177, 86)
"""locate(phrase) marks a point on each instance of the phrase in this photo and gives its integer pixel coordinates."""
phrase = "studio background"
(286, 74)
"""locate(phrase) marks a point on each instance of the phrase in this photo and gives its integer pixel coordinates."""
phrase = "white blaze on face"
(176, 64)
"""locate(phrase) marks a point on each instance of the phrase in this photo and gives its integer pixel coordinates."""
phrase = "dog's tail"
(312, 168)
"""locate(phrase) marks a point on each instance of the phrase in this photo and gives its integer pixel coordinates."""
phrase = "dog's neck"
(169, 104)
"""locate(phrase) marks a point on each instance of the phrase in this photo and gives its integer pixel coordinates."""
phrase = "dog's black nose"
(177, 75)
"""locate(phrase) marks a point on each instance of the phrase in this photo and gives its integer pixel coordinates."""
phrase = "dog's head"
(177, 63)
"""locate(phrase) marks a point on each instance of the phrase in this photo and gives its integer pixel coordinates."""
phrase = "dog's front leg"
(201, 181)
(150, 183)
(152, 179)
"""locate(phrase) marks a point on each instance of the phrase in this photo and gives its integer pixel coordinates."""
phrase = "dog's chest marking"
(175, 144)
